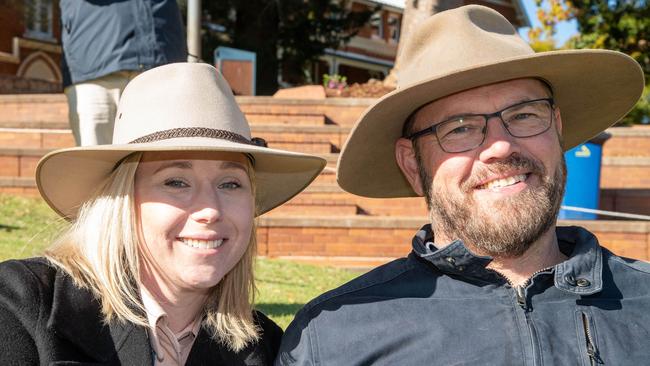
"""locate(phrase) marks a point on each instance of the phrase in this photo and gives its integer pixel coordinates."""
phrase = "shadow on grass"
(281, 283)
(277, 310)
(9, 228)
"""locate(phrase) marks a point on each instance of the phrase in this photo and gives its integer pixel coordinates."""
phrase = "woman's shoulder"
(25, 286)
(270, 334)
(268, 326)
(31, 272)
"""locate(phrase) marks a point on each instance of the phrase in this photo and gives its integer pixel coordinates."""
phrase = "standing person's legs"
(92, 105)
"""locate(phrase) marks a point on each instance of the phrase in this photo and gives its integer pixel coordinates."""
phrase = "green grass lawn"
(27, 225)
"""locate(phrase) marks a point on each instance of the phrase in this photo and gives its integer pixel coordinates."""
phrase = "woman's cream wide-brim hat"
(176, 107)
(472, 46)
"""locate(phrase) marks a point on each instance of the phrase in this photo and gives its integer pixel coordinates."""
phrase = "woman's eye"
(229, 185)
(176, 183)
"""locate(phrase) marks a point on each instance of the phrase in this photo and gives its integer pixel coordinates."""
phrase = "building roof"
(394, 3)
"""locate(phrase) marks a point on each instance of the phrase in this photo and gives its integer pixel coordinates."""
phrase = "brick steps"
(390, 237)
(302, 209)
(43, 110)
(617, 172)
(324, 224)
(341, 111)
(289, 119)
(43, 138)
(628, 142)
(629, 200)
(629, 172)
(34, 111)
(309, 139)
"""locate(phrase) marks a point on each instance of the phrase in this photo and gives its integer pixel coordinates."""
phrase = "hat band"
(193, 132)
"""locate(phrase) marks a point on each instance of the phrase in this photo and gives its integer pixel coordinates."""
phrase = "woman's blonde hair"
(101, 252)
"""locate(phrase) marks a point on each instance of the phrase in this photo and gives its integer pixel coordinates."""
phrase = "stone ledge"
(351, 102)
(24, 152)
(324, 188)
(626, 161)
(32, 98)
(299, 128)
(354, 263)
(387, 222)
(634, 131)
(610, 226)
(26, 182)
(45, 125)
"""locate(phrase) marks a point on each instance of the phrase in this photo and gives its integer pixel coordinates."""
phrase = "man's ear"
(558, 120)
(405, 157)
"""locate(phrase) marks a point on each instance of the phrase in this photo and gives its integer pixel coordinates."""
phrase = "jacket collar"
(76, 317)
(580, 274)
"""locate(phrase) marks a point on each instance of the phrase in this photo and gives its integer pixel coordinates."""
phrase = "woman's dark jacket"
(46, 319)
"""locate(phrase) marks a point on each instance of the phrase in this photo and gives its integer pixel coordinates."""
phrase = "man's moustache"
(512, 162)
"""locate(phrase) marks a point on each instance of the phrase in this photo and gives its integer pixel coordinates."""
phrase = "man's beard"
(508, 227)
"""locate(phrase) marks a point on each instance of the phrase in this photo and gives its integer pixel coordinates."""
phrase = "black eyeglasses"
(467, 132)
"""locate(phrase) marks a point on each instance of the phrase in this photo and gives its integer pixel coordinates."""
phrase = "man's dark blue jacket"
(443, 307)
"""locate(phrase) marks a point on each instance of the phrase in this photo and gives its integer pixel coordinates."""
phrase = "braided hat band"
(199, 132)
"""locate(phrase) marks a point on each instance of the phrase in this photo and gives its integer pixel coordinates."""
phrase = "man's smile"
(503, 182)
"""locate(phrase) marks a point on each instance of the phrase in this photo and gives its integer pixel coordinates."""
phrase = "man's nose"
(498, 143)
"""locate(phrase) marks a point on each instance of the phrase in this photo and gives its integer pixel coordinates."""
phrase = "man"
(478, 126)
(106, 44)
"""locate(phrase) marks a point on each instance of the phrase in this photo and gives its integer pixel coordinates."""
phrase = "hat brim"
(67, 178)
(593, 88)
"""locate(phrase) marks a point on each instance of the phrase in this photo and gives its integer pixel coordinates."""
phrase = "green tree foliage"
(286, 35)
(621, 25)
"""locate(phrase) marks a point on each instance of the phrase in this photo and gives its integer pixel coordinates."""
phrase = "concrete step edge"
(392, 222)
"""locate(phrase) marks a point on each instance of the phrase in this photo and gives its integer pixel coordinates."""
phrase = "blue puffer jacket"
(443, 307)
(104, 36)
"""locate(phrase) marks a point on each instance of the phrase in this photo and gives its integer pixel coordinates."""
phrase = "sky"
(564, 30)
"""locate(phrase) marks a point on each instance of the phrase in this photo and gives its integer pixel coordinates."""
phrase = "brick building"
(372, 52)
(30, 46)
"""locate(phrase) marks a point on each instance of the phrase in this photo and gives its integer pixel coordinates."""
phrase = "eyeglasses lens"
(521, 120)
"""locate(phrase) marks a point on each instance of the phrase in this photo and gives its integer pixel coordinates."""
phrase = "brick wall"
(391, 237)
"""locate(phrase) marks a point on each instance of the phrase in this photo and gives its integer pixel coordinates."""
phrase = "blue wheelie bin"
(583, 178)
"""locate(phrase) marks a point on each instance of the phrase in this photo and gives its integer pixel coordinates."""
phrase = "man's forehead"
(471, 100)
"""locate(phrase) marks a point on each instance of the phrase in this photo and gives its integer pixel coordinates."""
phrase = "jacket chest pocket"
(587, 339)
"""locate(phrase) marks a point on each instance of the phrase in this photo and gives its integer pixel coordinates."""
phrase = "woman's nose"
(207, 207)
(206, 214)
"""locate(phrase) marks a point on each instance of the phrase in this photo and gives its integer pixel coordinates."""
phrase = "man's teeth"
(498, 183)
(203, 244)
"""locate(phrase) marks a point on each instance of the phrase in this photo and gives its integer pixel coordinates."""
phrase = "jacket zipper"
(592, 353)
(520, 292)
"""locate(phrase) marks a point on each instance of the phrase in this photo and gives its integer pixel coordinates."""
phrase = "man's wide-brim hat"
(176, 107)
(472, 46)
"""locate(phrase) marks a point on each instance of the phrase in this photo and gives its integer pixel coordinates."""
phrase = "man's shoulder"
(619, 264)
(624, 264)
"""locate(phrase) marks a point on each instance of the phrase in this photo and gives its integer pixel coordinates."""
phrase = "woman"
(156, 267)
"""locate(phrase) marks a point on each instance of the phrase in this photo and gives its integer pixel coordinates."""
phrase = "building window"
(377, 25)
(393, 28)
(38, 19)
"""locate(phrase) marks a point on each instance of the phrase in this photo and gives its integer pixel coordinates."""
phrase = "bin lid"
(600, 138)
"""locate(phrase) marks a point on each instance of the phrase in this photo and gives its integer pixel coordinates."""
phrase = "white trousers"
(92, 106)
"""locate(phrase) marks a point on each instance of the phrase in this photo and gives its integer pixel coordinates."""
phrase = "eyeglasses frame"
(487, 116)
